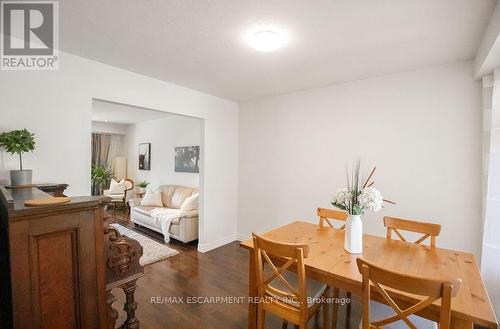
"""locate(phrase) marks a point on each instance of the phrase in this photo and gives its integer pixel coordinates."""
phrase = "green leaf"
(357, 210)
(17, 141)
(338, 205)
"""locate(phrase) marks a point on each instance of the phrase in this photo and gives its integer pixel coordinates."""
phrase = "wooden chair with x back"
(429, 289)
(286, 294)
(428, 230)
(326, 216)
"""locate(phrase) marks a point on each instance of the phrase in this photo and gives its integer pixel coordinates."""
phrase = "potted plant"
(360, 195)
(101, 177)
(19, 142)
(142, 186)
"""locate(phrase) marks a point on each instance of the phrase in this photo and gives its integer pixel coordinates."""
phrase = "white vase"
(353, 242)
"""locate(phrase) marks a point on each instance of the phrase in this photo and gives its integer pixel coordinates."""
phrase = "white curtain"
(115, 148)
(490, 257)
(106, 147)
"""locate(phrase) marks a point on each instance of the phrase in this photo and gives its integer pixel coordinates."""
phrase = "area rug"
(152, 250)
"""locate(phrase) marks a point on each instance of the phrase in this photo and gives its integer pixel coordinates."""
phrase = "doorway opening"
(149, 164)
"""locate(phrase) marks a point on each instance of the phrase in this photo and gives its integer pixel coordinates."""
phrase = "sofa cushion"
(145, 210)
(191, 203)
(166, 194)
(180, 194)
(152, 198)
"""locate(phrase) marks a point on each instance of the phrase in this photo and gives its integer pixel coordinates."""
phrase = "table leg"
(461, 324)
(252, 293)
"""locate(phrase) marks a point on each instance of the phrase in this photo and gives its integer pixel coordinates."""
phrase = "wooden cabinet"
(52, 262)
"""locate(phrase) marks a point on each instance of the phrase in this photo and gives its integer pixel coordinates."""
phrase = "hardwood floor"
(222, 272)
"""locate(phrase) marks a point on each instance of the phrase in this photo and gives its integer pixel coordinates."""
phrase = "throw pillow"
(152, 198)
(117, 187)
(191, 203)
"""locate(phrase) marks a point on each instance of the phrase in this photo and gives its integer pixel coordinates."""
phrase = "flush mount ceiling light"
(266, 40)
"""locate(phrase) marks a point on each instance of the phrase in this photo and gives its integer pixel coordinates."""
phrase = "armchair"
(121, 198)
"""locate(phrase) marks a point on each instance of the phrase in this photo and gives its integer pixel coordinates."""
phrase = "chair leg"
(336, 294)
(326, 309)
(261, 317)
(285, 324)
(348, 311)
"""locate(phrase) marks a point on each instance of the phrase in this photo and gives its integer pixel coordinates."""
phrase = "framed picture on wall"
(145, 156)
(187, 158)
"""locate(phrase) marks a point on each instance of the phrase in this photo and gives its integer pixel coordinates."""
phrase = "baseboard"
(217, 243)
(243, 237)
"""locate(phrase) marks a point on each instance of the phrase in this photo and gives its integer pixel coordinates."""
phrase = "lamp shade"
(120, 167)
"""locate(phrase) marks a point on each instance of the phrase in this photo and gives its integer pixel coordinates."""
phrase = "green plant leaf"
(17, 141)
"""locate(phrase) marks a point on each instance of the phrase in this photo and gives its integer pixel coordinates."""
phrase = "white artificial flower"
(370, 198)
(343, 196)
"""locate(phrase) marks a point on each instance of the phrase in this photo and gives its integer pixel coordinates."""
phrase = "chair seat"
(115, 197)
(379, 311)
(314, 289)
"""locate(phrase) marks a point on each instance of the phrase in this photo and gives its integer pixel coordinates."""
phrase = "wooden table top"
(328, 258)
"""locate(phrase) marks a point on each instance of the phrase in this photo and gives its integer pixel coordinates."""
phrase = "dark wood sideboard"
(52, 262)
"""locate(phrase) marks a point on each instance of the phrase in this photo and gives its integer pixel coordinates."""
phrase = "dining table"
(330, 263)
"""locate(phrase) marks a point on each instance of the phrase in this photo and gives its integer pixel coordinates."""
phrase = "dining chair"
(396, 317)
(428, 230)
(325, 215)
(285, 293)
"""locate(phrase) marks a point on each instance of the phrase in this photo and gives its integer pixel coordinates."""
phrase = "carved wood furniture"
(122, 271)
(52, 261)
(328, 261)
(59, 264)
(431, 291)
(53, 189)
(325, 215)
(288, 292)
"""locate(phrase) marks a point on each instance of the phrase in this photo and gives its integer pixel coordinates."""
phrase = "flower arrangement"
(360, 195)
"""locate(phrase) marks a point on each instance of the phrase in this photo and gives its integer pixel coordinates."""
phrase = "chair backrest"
(326, 214)
(129, 185)
(292, 253)
(431, 289)
(427, 229)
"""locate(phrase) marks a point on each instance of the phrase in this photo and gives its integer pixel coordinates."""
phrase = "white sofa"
(184, 228)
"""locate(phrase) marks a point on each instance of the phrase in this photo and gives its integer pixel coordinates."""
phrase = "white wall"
(56, 106)
(164, 135)
(110, 128)
(422, 129)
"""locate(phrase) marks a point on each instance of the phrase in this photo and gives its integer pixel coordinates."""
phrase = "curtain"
(100, 149)
(490, 256)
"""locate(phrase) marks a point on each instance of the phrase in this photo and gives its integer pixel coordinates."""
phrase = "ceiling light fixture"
(267, 40)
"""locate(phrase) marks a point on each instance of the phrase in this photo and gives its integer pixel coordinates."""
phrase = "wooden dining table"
(328, 262)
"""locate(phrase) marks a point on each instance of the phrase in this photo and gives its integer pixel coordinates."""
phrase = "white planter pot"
(353, 242)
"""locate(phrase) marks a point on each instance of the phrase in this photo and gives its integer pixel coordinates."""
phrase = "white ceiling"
(200, 43)
(123, 114)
